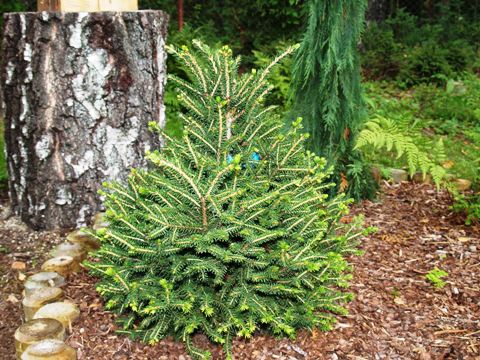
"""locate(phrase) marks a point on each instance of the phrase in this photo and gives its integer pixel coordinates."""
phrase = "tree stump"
(86, 240)
(76, 251)
(37, 330)
(63, 265)
(49, 349)
(43, 280)
(65, 312)
(79, 91)
(31, 304)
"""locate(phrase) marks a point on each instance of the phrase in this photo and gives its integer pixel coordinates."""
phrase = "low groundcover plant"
(231, 230)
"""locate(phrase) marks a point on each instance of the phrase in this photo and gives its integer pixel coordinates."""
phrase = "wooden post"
(48, 5)
(80, 90)
(87, 5)
(118, 5)
(180, 14)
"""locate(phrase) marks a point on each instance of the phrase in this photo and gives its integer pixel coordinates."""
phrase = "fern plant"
(385, 134)
(435, 276)
(231, 230)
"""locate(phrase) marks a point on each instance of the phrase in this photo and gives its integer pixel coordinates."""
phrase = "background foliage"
(423, 45)
(420, 58)
(232, 22)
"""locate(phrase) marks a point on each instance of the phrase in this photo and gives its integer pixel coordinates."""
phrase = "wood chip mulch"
(396, 313)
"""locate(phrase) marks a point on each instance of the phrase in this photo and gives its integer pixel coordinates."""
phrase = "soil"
(396, 314)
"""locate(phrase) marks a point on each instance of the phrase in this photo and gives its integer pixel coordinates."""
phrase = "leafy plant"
(231, 22)
(422, 114)
(469, 205)
(456, 104)
(435, 276)
(231, 230)
(384, 134)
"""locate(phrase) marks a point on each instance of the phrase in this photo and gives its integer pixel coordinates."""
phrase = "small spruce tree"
(327, 90)
(231, 230)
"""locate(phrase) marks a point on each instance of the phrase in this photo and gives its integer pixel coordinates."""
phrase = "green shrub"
(382, 54)
(327, 91)
(453, 105)
(425, 64)
(418, 50)
(174, 123)
(469, 206)
(460, 55)
(231, 230)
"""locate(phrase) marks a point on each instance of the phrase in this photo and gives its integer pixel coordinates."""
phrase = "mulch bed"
(396, 313)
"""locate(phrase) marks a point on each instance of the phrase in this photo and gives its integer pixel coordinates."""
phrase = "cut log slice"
(463, 184)
(64, 265)
(398, 175)
(76, 251)
(37, 330)
(420, 178)
(49, 349)
(87, 241)
(66, 312)
(377, 174)
(39, 298)
(43, 280)
(99, 221)
(87, 5)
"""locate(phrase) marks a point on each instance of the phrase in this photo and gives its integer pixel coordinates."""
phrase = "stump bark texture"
(79, 90)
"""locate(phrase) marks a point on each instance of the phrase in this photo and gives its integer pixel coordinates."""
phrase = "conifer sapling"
(231, 230)
(328, 93)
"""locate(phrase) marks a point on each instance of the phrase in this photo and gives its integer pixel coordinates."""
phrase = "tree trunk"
(79, 91)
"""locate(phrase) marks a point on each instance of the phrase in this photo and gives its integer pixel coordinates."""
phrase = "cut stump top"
(87, 5)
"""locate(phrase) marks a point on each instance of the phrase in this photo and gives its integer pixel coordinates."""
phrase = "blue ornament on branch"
(254, 159)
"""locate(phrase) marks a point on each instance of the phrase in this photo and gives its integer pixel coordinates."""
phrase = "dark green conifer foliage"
(231, 230)
(327, 90)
